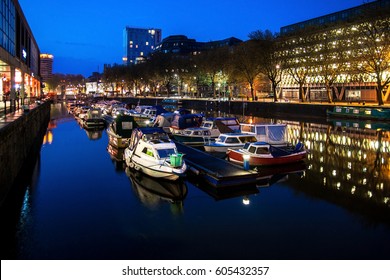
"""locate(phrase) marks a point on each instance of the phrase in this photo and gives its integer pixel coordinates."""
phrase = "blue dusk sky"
(85, 35)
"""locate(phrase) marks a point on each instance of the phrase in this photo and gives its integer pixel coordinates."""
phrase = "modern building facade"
(46, 66)
(330, 55)
(19, 54)
(138, 43)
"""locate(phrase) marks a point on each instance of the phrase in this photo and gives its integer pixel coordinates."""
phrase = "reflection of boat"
(274, 134)
(262, 153)
(360, 113)
(94, 134)
(152, 191)
(151, 151)
(115, 152)
(362, 124)
(228, 140)
(119, 131)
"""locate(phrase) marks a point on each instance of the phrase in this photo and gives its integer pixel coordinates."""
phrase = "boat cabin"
(275, 134)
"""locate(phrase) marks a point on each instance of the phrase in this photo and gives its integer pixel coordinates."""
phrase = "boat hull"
(211, 148)
(154, 169)
(118, 142)
(237, 156)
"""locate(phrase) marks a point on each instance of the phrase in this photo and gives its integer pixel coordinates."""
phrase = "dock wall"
(286, 110)
(20, 139)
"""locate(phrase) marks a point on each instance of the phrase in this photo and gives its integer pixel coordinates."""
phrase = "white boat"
(209, 129)
(152, 152)
(144, 115)
(273, 134)
(193, 136)
(228, 140)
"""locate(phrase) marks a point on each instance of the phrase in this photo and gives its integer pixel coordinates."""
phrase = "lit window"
(147, 43)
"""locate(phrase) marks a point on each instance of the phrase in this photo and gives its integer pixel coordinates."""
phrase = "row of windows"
(7, 26)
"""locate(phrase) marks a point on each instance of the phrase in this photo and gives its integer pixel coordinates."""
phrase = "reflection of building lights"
(338, 185)
(353, 190)
(349, 153)
(386, 200)
(364, 181)
(349, 164)
(364, 169)
(321, 159)
(324, 181)
(321, 169)
(334, 172)
(369, 194)
(246, 200)
(349, 176)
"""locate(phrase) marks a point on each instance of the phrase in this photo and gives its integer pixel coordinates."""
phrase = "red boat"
(262, 153)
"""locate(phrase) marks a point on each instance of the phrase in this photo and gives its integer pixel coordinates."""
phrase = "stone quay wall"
(288, 110)
(20, 138)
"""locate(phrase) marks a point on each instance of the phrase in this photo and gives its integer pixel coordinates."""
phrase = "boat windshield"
(164, 153)
(246, 145)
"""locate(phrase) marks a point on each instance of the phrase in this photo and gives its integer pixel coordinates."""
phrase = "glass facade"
(139, 43)
(19, 54)
(7, 26)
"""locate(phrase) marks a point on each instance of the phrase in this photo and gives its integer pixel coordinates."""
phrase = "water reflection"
(94, 134)
(152, 192)
(334, 206)
(116, 155)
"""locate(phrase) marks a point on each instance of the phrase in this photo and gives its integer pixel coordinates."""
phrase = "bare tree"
(247, 63)
(269, 58)
(373, 55)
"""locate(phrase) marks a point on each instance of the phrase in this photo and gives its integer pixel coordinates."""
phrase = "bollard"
(246, 162)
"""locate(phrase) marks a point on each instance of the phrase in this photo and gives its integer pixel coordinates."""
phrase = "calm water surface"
(81, 203)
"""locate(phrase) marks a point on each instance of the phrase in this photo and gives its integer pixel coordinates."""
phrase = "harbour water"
(80, 202)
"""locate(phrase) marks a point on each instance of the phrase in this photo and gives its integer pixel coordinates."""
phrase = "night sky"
(84, 35)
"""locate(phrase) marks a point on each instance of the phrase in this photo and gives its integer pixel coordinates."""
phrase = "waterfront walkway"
(8, 114)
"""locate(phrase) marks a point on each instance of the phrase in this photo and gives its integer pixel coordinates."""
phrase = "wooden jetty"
(217, 172)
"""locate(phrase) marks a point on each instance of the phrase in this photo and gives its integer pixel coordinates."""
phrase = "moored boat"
(360, 113)
(194, 136)
(274, 134)
(93, 119)
(262, 153)
(209, 129)
(152, 152)
(119, 131)
(228, 140)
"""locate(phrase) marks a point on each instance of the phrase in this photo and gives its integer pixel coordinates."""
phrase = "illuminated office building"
(19, 53)
(331, 54)
(138, 43)
(46, 66)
